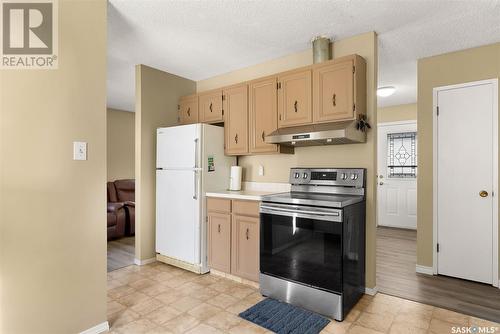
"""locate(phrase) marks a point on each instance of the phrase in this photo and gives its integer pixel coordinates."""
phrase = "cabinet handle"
(295, 106)
(210, 107)
(236, 139)
(247, 234)
(219, 228)
(263, 135)
(189, 112)
(333, 99)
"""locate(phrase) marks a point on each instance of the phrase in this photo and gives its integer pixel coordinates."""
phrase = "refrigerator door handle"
(195, 190)
(196, 153)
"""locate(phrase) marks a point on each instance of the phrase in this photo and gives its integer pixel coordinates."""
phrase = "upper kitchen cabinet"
(210, 106)
(236, 119)
(339, 89)
(188, 109)
(263, 110)
(294, 98)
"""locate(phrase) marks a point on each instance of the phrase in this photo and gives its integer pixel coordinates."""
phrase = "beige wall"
(53, 209)
(276, 167)
(120, 144)
(402, 112)
(157, 95)
(452, 68)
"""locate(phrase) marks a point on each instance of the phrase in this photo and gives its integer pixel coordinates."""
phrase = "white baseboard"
(101, 328)
(143, 262)
(424, 270)
(371, 291)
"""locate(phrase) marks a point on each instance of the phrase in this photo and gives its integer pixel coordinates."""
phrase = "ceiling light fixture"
(386, 91)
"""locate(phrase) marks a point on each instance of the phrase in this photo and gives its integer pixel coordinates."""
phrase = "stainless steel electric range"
(312, 241)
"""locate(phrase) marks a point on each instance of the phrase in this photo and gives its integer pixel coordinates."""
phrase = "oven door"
(302, 244)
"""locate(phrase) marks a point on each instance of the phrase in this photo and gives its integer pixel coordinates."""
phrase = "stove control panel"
(348, 177)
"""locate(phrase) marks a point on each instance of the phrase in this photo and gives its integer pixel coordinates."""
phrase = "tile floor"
(158, 298)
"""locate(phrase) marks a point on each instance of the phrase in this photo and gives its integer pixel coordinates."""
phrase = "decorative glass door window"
(402, 155)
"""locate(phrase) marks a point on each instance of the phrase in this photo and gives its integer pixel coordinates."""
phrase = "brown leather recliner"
(125, 192)
(116, 214)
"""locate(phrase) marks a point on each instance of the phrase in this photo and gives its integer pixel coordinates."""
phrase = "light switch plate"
(261, 170)
(79, 150)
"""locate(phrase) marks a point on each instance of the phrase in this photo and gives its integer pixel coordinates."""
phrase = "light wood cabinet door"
(219, 241)
(333, 92)
(188, 109)
(236, 120)
(245, 248)
(295, 99)
(210, 106)
(263, 114)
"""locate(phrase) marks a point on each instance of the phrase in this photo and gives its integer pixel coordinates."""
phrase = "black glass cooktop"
(314, 199)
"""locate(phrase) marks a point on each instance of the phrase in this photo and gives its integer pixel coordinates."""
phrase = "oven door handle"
(330, 216)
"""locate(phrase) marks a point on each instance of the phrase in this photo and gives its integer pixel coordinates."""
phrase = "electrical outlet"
(261, 170)
(79, 150)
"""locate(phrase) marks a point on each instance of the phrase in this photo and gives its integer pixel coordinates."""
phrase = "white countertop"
(249, 195)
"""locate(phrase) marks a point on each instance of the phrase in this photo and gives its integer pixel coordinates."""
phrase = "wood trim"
(424, 270)
(139, 262)
(97, 329)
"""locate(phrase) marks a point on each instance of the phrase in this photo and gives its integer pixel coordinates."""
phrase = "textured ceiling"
(199, 39)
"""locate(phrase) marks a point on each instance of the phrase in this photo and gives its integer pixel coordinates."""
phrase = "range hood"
(318, 134)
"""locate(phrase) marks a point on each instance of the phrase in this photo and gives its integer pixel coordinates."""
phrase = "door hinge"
(278, 85)
(223, 97)
(354, 107)
(222, 112)
(178, 107)
(280, 117)
(437, 248)
(437, 110)
(206, 219)
(353, 69)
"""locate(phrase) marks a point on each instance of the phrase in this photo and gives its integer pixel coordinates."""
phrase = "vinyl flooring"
(121, 253)
(396, 276)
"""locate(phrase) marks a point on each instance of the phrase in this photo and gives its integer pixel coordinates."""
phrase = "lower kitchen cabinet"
(245, 247)
(219, 241)
(233, 237)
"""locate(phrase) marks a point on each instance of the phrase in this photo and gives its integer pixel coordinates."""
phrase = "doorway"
(120, 188)
(466, 181)
(397, 174)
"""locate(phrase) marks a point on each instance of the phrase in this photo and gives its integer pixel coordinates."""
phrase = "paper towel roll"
(235, 179)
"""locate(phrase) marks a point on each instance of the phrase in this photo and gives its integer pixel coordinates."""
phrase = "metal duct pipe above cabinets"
(321, 49)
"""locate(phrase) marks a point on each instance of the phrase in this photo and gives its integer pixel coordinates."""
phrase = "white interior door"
(466, 168)
(178, 214)
(397, 168)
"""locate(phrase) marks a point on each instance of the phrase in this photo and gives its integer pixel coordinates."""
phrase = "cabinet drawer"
(218, 205)
(246, 208)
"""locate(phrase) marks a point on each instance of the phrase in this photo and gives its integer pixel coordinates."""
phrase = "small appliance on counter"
(312, 249)
(190, 161)
(235, 178)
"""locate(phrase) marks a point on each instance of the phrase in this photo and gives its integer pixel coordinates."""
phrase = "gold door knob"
(483, 193)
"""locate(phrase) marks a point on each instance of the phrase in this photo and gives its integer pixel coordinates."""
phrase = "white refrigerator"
(190, 161)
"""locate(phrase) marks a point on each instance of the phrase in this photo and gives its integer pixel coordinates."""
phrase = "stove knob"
(343, 176)
(304, 176)
(354, 176)
(297, 175)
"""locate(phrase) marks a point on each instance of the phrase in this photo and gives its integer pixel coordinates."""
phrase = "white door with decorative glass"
(397, 175)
